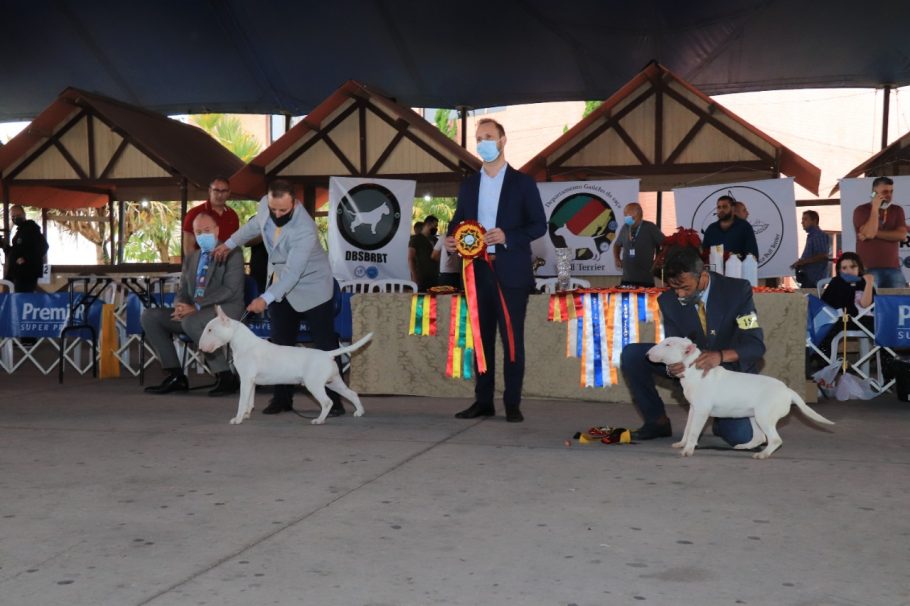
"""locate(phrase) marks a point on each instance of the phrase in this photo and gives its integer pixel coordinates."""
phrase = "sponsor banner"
(369, 228)
(892, 321)
(583, 216)
(45, 315)
(853, 193)
(772, 214)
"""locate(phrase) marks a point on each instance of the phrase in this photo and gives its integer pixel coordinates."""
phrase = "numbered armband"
(747, 321)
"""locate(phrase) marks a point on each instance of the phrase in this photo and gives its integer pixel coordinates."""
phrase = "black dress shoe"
(513, 415)
(476, 410)
(650, 431)
(174, 382)
(337, 410)
(226, 384)
(276, 406)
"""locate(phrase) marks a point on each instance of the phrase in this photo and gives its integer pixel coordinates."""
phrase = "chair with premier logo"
(83, 292)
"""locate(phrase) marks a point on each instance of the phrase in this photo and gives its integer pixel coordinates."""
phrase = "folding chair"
(83, 292)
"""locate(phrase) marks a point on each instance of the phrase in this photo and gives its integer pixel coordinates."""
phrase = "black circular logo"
(368, 216)
(764, 216)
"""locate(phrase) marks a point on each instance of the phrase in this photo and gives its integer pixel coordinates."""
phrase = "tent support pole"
(121, 227)
(660, 209)
(463, 116)
(110, 222)
(6, 209)
(183, 200)
(886, 105)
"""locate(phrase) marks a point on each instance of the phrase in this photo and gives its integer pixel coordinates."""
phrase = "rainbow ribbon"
(460, 359)
(423, 315)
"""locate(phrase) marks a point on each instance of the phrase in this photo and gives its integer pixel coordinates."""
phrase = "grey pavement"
(111, 496)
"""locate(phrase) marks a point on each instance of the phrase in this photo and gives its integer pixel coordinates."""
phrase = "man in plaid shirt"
(812, 266)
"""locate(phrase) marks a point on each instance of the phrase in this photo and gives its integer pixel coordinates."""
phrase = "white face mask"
(885, 204)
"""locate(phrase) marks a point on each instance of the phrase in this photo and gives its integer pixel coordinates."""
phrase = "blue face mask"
(629, 221)
(487, 150)
(206, 242)
(850, 278)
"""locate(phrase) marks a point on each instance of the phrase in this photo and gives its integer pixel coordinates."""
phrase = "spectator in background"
(735, 234)
(449, 265)
(418, 227)
(424, 270)
(635, 247)
(852, 289)
(216, 205)
(880, 228)
(812, 265)
(740, 210)
(25, 253)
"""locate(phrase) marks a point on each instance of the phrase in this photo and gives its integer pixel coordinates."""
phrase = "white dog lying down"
(727, 394)
(259, 362)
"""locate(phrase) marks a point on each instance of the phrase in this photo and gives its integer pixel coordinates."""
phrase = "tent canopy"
(99, 146)
(891, 161)
(664, 131)
(283, 56)
(359, 133)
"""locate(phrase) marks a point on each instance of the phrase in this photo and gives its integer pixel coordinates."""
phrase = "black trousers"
(489, 309)
(286, 326)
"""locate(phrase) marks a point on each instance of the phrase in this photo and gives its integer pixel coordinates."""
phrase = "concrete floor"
(111, 496)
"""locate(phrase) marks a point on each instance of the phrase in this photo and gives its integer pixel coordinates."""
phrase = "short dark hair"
(812, 215)
(879, 180)
(499, 127)
(418, 226)
(431, 219)
(281, 187)
(682, 260)
(851, 256)
(728, 198)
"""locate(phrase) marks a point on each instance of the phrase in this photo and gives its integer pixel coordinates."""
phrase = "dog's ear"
(690, 348)
(221, 315)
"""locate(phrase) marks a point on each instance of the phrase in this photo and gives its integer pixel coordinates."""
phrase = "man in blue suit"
(718, 314)
(507, 204)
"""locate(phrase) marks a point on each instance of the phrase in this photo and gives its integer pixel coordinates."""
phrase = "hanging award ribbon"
(469, 243)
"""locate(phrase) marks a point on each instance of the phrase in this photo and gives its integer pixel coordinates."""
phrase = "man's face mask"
(282, 220)
(695, 297)
(18, 220)
(487, 150)
(629, 221)
(206, 242)
(434, 231)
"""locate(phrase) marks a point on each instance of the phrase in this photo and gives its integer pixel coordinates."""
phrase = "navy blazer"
(728, 299)
(520, 215)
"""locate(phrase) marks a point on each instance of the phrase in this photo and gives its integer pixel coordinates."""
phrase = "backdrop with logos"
(772, 214)
(369, 228)
(583, 216)
(854, 192)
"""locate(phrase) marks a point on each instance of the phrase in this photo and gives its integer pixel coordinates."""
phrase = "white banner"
(854, 192)
(772, 214)
(369, 227)
(583, 216)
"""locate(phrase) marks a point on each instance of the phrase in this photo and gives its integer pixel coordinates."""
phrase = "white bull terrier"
(259, 362)
(727, 394)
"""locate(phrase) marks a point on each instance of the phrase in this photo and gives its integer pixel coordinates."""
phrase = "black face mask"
(282, 220)
(17, 221)
(434, 231)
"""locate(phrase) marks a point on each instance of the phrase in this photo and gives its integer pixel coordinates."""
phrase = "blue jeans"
(888, 277)
(639, 372)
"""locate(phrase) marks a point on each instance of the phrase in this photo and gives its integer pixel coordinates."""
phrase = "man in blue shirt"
(812, 265)
(736, 235)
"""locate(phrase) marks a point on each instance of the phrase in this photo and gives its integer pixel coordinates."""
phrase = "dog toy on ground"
(604, 435)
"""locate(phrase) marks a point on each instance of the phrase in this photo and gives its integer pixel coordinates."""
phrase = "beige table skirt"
(398, 363)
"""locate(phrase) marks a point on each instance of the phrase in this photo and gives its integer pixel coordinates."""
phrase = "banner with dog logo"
(853, 193)
(583, 216)
(369, 228)
(772, 213)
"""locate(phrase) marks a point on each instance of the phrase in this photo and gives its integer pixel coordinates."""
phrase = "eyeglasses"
(219, 191)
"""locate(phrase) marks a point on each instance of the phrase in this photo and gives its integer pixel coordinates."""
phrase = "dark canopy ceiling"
(286, 56)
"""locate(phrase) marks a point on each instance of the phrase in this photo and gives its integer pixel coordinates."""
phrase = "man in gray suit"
(203, 284)
(301, 283)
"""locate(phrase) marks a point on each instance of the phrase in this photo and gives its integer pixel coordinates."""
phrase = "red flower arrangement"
(682, 238)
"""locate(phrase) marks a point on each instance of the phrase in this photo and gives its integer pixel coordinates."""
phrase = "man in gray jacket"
(203, 284)
(300, 280)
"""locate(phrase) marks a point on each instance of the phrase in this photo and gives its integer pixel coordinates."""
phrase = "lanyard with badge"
(632, 237)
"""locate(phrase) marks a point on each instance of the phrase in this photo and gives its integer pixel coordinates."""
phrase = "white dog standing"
(259, 362)
(727, 394)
